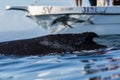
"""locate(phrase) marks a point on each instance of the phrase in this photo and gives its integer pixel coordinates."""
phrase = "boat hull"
(66, 19)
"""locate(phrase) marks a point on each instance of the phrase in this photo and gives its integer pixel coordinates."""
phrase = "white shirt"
(103, 2)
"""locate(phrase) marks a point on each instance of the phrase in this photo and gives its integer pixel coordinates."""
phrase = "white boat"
(74, 19)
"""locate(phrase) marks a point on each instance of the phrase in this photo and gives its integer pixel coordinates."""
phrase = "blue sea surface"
(98, 65)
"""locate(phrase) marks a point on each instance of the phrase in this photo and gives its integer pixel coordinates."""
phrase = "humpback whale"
(56, 43)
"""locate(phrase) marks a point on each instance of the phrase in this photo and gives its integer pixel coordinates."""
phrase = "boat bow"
(21, 8)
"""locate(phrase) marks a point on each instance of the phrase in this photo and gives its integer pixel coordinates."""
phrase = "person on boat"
(116, 2)
(78, 2)
(93, 2)
(103, 2)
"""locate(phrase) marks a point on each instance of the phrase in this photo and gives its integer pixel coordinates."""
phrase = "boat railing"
(99, 3)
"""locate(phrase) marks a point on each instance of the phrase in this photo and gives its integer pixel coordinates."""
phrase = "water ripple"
(72, 67)
(65, 67)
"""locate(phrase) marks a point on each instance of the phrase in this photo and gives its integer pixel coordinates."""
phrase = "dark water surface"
(103, 65)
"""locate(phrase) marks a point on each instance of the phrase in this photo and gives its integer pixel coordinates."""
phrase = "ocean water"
(98, 65)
